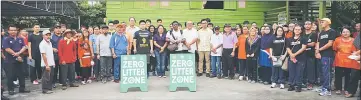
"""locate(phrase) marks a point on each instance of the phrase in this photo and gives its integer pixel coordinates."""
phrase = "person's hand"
(292, 55)
(63, 63)
(114, 56)
(30, 58)
(98, 56)
(55, 50)
(318, 55)
(358, 58)
(19, 59)
(47, 68)
(3, 57)
(232, 54)
(283, 57)
(93, 55)
(16, 54)
(151, 51)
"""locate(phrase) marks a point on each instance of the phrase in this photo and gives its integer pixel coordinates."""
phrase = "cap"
(120, 26)
(104, 26)
(327, 20)
(46, 32)
(227, 25)
(57, 26)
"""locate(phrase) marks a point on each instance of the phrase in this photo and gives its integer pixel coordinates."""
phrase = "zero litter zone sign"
(182, 72)
(133, 72)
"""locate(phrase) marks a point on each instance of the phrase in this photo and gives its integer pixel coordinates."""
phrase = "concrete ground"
(207, 89)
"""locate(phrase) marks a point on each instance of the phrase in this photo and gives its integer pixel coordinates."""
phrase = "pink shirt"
(229, 40)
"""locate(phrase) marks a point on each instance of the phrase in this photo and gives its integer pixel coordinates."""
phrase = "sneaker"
(83, 82)
(39, 80)
(325, 93)
(164, 76)
(64, 87)
(226, 77)
(16, 82)
(338, 92)
(153, 73)
(104, 81)
(253, 81)
(35, 82)
(247, 78)
(282, 86)
(219, 76)
(298, 89)
(199, 74)
(11, 92)
(116, 81)
(309, 87)
(160, 76)
(249, 81)
(240, 78)
(89, 81)
(273, 85)
(54, 85)
(208, 75)
(319, 90)
(291, 88)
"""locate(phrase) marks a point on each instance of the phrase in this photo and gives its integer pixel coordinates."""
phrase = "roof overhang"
(39, 8)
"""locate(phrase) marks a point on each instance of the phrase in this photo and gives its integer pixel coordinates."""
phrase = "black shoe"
(291, 88)
(298, 89)
(219, 76)
(24, 91)
(199, 74)
(11, 92)
(212, 76)
(208, 75)
(231, 78)
(47, 92)
(4, 98)
(64, 87)
(73, 85)
(153, 73)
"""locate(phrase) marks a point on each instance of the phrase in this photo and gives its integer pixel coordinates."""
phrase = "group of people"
(298, 53)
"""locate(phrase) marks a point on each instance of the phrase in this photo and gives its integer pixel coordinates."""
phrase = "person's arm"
(303, 48)
(91, 45)
(97, 43)
(151, 43)
(30, 39)
(60, 51)
(135, 42)
(331, 38)
(112, 44)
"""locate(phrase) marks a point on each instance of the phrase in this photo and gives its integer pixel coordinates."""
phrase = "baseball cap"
(227, 25)
(46, 32)
(327, 20)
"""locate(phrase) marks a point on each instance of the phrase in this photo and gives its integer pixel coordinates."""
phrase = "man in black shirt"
(310, 68)
(143, 42)
(324, 52)
(34, 53)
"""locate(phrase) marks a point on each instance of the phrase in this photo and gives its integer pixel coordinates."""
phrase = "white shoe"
(83, 82)
(247, 78)
(89, 81)
(160, 76)
(35, 82)
(282, 86)
(16, 82)
(273, 85)
(240, 78)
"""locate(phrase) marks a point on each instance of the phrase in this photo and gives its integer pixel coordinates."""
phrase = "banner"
(133, 72)
(182, 71)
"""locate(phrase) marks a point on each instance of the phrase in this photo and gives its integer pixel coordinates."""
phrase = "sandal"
(348, 95)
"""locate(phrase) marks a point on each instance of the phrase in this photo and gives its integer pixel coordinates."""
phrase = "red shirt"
(67, 52)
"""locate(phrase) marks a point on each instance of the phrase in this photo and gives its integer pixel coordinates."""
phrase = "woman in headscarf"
(264, 58)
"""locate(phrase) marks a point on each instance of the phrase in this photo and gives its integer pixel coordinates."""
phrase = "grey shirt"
(103, 43)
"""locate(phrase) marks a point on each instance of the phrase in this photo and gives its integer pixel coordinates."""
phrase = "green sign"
(182, 72)
(133, 72)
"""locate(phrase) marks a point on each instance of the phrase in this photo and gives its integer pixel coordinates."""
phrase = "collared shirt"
(55, 40)
(93, 39)
(15, 44)
(47, 48)
(177, 37)
(160, 40)
(190, 35)
(216, 40)
(204, 39)
(132, 30)
(103, 43)
(229, 40)
(119, 43)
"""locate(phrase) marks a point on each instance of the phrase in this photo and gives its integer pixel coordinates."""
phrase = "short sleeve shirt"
(295, 45)
(216, 40)
(323, 39)
(204, 39)
(15, 44)
(35, 41)
(190, 35)
(143, 41)
(176, 35)
(310, 50)
(47, 48)
(278, 46)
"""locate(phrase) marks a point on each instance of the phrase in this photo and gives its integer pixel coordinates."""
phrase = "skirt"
(263, 59)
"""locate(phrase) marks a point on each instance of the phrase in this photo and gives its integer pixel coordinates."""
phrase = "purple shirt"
(15, 45)
(229, 40)
(160, 40)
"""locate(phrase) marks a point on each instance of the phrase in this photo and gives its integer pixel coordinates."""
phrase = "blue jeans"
(277, 75)
(326, 63)
(216, 65)
(160, 57)
(117, 68)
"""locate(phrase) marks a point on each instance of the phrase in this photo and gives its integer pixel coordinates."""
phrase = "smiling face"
(279, 32)
(346, 33)
(297, 30)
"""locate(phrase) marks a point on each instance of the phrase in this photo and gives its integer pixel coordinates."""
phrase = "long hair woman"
(241, 59)
(278, 52)
(252, 51)
(153, 61)
(265, 70)
(296, 62)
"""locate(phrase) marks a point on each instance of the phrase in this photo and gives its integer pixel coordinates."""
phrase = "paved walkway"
(207, 89)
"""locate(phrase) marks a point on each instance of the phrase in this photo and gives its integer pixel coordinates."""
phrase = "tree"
(92, 14)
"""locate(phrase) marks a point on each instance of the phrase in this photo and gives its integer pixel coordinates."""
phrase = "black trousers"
(96, 67)
(56, 77)
(14, 71)
(77, 68)
(341, 72)
(227, 60)
(265, 74)
(310, 73)
(67, 72)
(153, 63)
(36, 71)
(251, 64)
(352, 84)
(47, 78)
(86, 73)
(242, 69)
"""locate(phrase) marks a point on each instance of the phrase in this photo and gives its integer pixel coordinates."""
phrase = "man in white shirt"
(191, 36)
(174, 36)
(216, 53)
(47, 62)
(104, 54)
(132, 28)
(204, 47)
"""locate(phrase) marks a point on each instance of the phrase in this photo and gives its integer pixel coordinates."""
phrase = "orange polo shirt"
(241, 44)
(289, 34)
(344, 49)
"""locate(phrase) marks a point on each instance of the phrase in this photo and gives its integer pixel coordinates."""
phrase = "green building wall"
(183, 11)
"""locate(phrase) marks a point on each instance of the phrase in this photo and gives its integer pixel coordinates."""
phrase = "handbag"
(174, 46)
(278, 62)
(285, 63)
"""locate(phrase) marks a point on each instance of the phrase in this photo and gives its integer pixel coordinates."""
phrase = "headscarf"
(266, 39)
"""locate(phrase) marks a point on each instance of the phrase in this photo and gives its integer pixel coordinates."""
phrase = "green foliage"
(345, 13)
(92, 14)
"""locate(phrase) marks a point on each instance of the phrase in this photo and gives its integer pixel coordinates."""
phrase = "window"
(213, 5)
